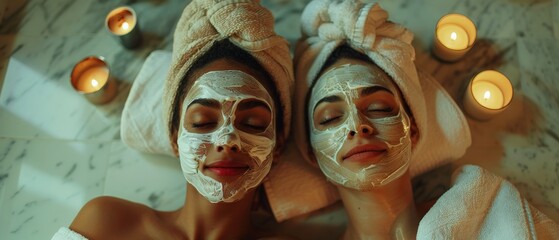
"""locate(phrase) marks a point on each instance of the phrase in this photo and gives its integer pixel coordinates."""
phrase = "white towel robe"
(480, 205)
(65, 233)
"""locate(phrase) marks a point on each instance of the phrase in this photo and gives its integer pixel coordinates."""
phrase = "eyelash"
(387, 109)
(253, 126)
(211, 124)
(329, 120)
(203, 125)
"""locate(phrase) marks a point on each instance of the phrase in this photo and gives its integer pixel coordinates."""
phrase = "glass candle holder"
(123, 23)
(488, 93)
(91, 77)
(455, 35)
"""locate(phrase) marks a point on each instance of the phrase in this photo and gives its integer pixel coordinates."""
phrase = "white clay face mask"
(346, 82)
(229, 88)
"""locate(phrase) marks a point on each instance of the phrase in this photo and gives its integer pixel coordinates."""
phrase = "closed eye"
(380, 107)
(253, 124)
(255, 127)
(204, 125)
(386, 109)
(326, 121)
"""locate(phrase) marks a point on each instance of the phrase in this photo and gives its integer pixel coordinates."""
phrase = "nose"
(363, 130)
(230, 147)
(228, 139)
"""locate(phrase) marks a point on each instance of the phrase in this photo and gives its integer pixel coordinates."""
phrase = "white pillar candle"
(455, 34)
(123, 23)
(488, 93)
(91, 77)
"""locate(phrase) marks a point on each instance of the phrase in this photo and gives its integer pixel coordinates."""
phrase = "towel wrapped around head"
(364, 27)
(244, 23)
(327, 24)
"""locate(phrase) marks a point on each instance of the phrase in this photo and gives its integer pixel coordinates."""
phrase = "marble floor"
(57, 150)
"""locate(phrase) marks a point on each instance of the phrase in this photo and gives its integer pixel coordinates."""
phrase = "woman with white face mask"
(362, 138)
(227, 108)
(371, 122)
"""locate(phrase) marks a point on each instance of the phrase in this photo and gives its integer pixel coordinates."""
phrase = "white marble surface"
(156, 180)
(57, 150)
(45, 182)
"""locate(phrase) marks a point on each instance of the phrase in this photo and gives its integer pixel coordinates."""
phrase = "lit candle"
(123, 23)
(488, 93)
(91, 78)
(454, 36)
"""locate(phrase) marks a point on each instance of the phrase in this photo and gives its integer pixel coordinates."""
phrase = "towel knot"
(242, 22)
(359, 24)
(232, 20)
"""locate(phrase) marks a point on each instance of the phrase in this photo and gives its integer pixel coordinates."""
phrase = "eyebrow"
(252, 104)
(371, 90)
(329, 99)
(205, 102)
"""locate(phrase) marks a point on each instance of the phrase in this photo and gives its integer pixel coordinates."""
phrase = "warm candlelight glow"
(92, 79)
(454, 36)
(125, 26)
(488, 93)
(121, 21)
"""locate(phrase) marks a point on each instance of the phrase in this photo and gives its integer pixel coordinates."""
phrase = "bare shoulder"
(108, 217)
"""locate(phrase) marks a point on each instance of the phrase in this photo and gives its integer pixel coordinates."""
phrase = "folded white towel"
(65, 233)
(481, 205)
(294, 187)
(143, 126)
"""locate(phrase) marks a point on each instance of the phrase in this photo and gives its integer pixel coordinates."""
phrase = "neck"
(386, 212)
(201, 219)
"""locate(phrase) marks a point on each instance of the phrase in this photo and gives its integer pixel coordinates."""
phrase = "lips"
(228, 168)
(365, 153)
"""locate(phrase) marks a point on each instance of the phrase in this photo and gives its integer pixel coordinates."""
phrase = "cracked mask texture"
(346, 81)
(229, 88)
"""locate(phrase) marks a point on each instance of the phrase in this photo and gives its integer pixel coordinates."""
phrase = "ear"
(278, 149)
(311, 159)
(414, 132)
(174, 145)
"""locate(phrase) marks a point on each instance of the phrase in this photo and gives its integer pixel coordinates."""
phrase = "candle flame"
(94, 82)
(487, 95)
(453, 36)
(125, 25)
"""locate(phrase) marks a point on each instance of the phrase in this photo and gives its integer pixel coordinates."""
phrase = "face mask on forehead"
(347, 81)
(229, 88)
